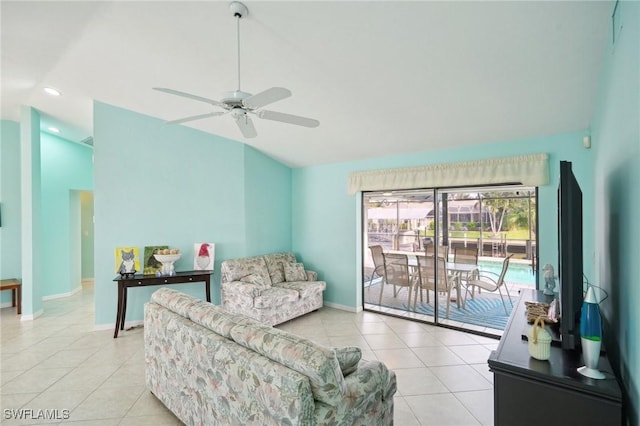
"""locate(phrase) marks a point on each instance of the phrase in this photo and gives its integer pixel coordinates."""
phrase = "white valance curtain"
(529, 170)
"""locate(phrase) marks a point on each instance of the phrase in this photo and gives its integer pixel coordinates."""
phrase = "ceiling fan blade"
(195, 117)
(246, 126)
(266, 97)
(287, 118)
(190, 96)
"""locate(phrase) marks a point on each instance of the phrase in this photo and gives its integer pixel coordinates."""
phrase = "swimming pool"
(519, 273)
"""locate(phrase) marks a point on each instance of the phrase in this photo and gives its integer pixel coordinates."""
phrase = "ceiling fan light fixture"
(238, 113)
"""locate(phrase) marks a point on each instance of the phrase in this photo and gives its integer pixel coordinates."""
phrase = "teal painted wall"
(324, 231)
(10, 242)
(267, 202)
(31, 213)
(159, 184)
(326, 228)
(66, 167)
(616, 142)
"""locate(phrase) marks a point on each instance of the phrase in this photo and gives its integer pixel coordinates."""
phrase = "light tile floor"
(58, 362)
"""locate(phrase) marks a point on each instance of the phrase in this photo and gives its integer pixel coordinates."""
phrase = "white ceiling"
(383, 78)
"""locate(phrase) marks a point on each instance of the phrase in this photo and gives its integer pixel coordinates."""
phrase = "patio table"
(455, 269)
(460, 269)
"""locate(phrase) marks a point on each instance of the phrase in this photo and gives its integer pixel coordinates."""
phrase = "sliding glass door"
(402, 223)
(450, 237)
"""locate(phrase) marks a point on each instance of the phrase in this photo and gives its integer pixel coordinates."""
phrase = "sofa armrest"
(244, 288)
(368, 398)
(312, 275)
(372, 381)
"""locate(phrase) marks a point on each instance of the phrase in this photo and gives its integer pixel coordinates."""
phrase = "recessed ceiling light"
(387, 194)
(51, 91)
(53, 129)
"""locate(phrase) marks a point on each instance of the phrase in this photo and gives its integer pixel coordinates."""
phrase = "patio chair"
(468, 256)
(443, 251)
(465, 255)
(396, 272)
(428, 281)
(378, 264)
(493, 282)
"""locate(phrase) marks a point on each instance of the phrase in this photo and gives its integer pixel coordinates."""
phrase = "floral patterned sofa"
(212, 367)
(272, 289)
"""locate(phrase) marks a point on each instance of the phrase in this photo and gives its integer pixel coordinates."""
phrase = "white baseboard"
(61, 295)
(342, 307)
(127, 324)
(6, 305)
(100, 327)
(25, 317)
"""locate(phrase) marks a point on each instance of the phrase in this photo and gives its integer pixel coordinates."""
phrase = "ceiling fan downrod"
(239, 10)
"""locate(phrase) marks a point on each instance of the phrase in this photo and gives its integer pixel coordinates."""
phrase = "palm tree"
(497, 206)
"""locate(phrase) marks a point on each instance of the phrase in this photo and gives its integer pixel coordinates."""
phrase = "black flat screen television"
(569, 256)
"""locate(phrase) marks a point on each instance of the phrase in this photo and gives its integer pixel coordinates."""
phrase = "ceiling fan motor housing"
(235, 98)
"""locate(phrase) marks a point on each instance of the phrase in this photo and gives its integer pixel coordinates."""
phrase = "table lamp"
(590, 335)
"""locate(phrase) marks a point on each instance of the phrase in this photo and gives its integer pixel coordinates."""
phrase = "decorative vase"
(590, 336)
(167, 261)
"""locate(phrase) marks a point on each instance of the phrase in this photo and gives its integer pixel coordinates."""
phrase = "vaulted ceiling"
(383, 78)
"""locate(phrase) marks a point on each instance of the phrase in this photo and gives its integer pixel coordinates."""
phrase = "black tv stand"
(532, 392)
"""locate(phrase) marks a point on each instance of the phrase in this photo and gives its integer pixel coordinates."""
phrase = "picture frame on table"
(203, 256)
(151, 265)
(127, 260)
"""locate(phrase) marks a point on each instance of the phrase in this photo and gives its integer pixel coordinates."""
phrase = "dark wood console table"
(15, 286)
(532, 392)
(140, 280)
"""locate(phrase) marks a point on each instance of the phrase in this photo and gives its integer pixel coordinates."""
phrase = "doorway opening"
(86, 237)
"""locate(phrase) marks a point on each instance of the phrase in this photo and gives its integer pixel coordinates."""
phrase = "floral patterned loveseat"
(212, 367)
(272, 289)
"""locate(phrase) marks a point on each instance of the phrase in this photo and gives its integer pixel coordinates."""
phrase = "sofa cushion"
(304, 288)
(315, 361)
(235, 269)
(174, 300)
(275, 296)
(275, 265)
(348, 358)
(256, 279)
(216, 319)
(294, 272)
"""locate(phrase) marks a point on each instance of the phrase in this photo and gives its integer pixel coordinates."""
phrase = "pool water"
(519, 273)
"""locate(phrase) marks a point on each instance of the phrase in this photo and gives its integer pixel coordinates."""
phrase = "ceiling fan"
(240, 104)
